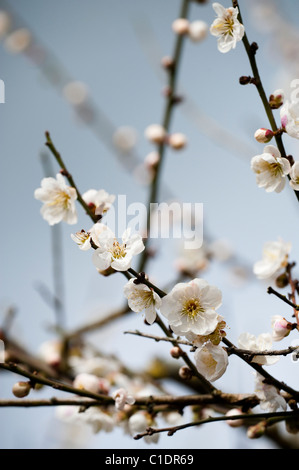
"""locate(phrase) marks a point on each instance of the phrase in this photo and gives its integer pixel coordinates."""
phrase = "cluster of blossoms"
(106, 376)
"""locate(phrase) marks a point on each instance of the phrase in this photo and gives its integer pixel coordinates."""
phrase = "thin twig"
(258, 416)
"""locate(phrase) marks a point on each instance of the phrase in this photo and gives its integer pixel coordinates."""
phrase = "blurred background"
(112, 51)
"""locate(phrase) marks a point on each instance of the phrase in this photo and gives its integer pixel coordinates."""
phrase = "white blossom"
(125, 138)
(83, 239)
(88, 382)
(270, 169)
(198, 30)
(75, 92)
(280, 327)
(99, 200)
(117, 255)
(122, 398)
(141, 297)
(5, 23)
(270, 398)
(138, 423)
(98, 419)
(59, 200)
(177, 141)
(294, 174)
(275, 257)
(289, 115)
(180, 26)
(226, 27)
(51, 351)
(155, 133)
(211, 361)
(262, 343)
(192, 307)
(18, 41)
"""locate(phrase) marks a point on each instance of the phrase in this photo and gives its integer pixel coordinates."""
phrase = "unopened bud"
(155, 133)
(175, 352)
(282, 280)
(256, 431)
(152, 160)
(21, 389)
(244, 80)
(180, 26)
(198, 31)
(263, 136)
(276, 99)
(185, 373)
(167, 62)
(281, 327)
(234, 423)
(177, 141)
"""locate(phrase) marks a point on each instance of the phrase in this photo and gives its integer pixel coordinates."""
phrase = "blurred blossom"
(262, 343)
(270, 398)
(155, 133)
(198, 30)
(294, 175)
(75, 92)
(275, 257)
(5, 23)
(125, 138)
(220, 250)
(18, 41)
(50, 351)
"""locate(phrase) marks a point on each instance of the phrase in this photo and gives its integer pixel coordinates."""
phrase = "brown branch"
(258, 416)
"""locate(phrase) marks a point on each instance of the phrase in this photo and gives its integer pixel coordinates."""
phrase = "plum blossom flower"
(211, 361)
(98, 419)
(198, 30)
(275, 257)
(270, 169)
(270, 398)
(117, 255)
(89, 382)
(84, 239)
(289, 115)
(98, 200)
(226, 27)
(141, 297)
(192, 307)
(122, 398)
(59, 200)
(262, 343)
(294, 174)
(215, 337)
(280, 327)
(138, 423)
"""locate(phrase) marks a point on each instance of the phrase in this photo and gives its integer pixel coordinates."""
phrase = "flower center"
(192, 308)
(275, 169)
(61, 199)
(118, 251)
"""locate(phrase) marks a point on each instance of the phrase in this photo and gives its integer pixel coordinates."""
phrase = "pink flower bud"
(257, 430)
(175, 352)
(180, 26)
(21, 389)
(281, 327)
(185, 373)
(263, 136)
(276, 99)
